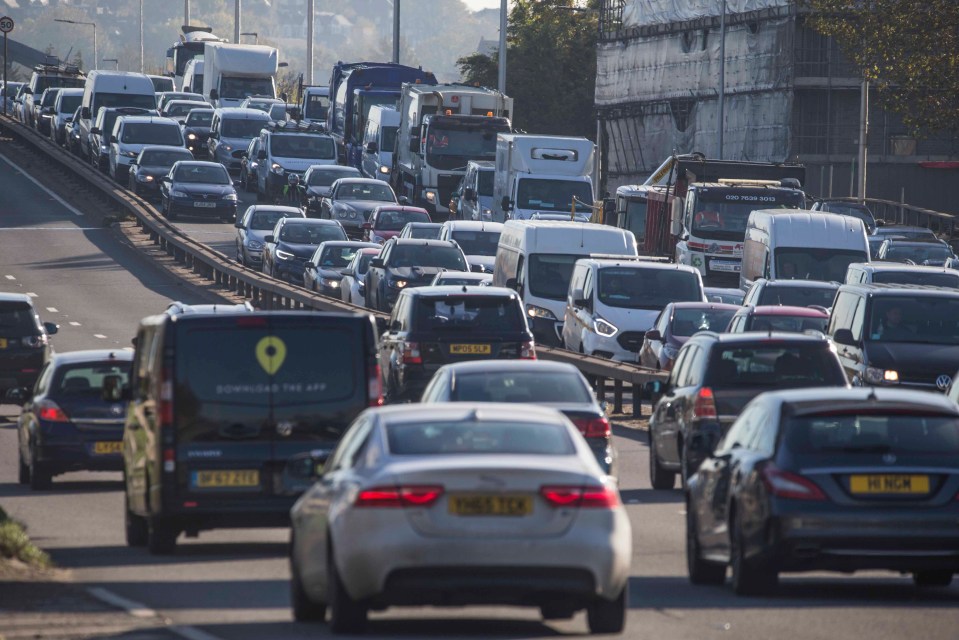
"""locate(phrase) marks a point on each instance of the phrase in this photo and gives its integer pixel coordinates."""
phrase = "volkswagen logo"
(943, 382)
(889, 458)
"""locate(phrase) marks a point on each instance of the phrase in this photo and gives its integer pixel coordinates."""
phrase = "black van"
(222, 407)
(24, 342)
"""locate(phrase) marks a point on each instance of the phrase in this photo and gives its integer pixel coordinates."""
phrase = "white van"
(131, 133)
(193, 76)
(378, 142)
(795, 244)
(900, 273)
(536, 258)
(476, 198)
(113, 89)
(612, 303)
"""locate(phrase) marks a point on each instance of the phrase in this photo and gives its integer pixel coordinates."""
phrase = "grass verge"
(15, 543)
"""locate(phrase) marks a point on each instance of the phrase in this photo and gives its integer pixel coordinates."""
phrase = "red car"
(388, 221)
(779, 318)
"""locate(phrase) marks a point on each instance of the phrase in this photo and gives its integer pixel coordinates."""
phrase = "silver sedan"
(454, 505)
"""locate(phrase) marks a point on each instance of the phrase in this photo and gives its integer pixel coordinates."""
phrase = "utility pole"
(186, 11)
(310, 17)
(236, 22)
(863, 138)
(722, 79)
(501, 80)
(141, 36)
(396, 31)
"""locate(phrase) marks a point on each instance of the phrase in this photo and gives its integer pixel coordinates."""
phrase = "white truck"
(443, 127)
(542, 174)
(233, 72)
(314, 103)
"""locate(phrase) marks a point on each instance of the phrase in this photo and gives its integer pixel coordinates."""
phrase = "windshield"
(388, 138)
(427, 255)
(199, 118)
(311, 233)
(49, 97)
(521, 386)
(494, 314)
(239, 88)
(553, 195)
(549, 274)
(122, 100)
(336, 257)
(472, 437)
(151, 133)
(918, 253)
(950, 280)
(378, 191)
(451, 149)
(203, 174)
(647, 288)
(915, 319)
(64, 82)
(180, 109)
(326, 177)
(163, 157)
(874, 432)
(906, 232)
(18, 319)
(774, 365)
(635, 218)
(302, 146)
(87, 379)
(792, 324)
(686, 322)
(317, 107)
(396, 220)
(484, 183)
(824, 265)
(69, 104)
(721, 214)
(477, 243)
(796, 296)
(425, 233)
(241, 128)
(266, 220)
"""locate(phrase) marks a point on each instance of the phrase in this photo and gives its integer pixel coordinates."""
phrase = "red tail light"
(51, 412)
(593, 427)
(527, 350)
(586, 497)
(169, 460)
(784, 484)
(411, 353)
(374, 388)
(412, 496)
(705, 406)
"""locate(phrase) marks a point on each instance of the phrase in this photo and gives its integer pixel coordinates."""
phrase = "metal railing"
(943, 224)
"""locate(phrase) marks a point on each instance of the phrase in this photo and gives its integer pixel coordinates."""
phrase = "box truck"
(233, 72)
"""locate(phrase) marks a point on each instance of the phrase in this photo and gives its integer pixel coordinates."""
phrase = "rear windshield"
(773, 364)
(477, 243)
(396, 220)
(912, 277)
(647, 288)
(873, 433)
(796, 296)
(521, 386)
(49, 97)
(425, 233)
(427, 256)
(918, 254)
(254, 365)
(87, 379)
(18, 319)
(337, 257)
(326, 177)
(493, 314)
(793, 324)
(180, 109)
(468, 436)
(311, 233)
(686, 322)
(151, 133)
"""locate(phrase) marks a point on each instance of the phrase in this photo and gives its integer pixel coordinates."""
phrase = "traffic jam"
(429, 448)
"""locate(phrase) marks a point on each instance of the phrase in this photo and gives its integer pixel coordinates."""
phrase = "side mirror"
(166, 179)
(403, 200)
(653, 335)
(372, 148)
(844, 336)
(305, 466)
(261, 154)
(506, 204)
(51, 328)
(415, 144)
(377, 263)
(309, 265)
(214, 94)
(396, 325)
(114, 139)
(382, 324)
(270, 239)
(238, 224)
(95, 131)
(17, 396)
(469, 193)
(367, 226)
(654, 388)
(577, 296)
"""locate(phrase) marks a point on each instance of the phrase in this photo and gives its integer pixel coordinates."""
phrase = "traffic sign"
(6, 24)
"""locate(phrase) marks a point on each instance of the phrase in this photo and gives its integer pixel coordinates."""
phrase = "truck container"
(233, 72)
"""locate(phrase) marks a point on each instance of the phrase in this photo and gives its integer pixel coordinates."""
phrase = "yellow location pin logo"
(270, 353)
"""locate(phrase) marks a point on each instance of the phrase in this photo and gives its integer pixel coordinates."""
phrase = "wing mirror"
(270, 239)
(653, 335)
(377, 263)
(17, 396)
(844, 336)
(371, 147)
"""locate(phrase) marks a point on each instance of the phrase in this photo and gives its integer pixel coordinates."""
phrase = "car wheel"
(608, 616)
(684, 470)
(23, 475)
(346, 614)
(556, 612)
(700, 571)
(239, 255)
(932, 578)
(304, 609)
(136, 526)
(40, 478)
(161, 536)
(659, 478)
(750, 577)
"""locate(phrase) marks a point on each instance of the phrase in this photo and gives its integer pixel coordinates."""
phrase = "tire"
(304, 609)
(23, 475)
(932, 578)
(608, 616)
(554, 612)
(659, 478)
(701, 572)
(40, 477)
(750, 577)
(161, 536)
(346, 614)
(136, 526)
(684, 471)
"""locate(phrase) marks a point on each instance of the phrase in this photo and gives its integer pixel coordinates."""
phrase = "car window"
(311, 234)
(396, 220)
(18, 319)
(478, 437)
(202, 174)
(494, 314)
(266, 220)
(686, 321)
(773, 364)
(354, 439)
(477, 243)
(521, 386)
(796, 296)
(336, 257)
(151, 133)
(678, 368)
(87, 379)
(692, 371)
(871, 432)
(647, 288)
(858, 319)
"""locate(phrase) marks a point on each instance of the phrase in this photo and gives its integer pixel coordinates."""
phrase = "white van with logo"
(536, 258)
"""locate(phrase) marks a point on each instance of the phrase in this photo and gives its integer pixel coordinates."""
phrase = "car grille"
(446, 184)
(631, 340)
(238, 153)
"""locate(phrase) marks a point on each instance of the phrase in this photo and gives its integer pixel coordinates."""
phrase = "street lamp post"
(89, 24)
(722, 78)
(501, 79)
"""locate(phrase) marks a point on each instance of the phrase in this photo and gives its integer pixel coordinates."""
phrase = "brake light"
(593, 427)
(705, 405)
(247, 321)
(411, 496)
(51, 412)
(527, 350)
(784, 484)
(411, 353)
(374, 388)
(586, 497)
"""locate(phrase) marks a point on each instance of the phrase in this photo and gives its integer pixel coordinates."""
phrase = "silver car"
(461, 504)
(253, 227)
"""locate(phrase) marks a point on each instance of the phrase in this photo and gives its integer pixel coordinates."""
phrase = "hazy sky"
(476, 5)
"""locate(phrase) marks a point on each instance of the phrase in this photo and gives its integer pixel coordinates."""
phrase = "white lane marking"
(9, 277)
(67, 206)
(99, 335)
(135, 609)
(127, 349)
(192, 633)
(74, 324)
(31, 294)
(53, 310)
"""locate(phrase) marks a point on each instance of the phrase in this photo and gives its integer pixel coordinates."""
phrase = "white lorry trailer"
(232, 72)
(442, 128)
(542, 174)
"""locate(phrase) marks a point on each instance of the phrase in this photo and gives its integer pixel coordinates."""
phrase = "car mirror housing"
(270, 239)
(51, 328)
(377, 263)
(844, 336)
(653, 335)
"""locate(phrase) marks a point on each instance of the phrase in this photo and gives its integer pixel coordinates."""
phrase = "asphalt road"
(233, 584)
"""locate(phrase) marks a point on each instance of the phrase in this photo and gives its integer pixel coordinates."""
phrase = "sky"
(476, 5)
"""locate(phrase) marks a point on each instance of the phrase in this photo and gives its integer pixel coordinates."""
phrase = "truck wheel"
(161, 536)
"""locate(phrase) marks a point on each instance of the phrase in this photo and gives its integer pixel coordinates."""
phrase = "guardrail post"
(637, 400)
(618, 396)
(601, 389)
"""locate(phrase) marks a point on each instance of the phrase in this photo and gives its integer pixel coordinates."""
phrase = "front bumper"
(220, 208)
(546, 331)
(607, 347)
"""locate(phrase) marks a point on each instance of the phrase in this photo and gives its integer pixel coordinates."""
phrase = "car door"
(663, 425)
(392, 342)
(849, 310)
(682, 402)
(269, 248)
(374, 279)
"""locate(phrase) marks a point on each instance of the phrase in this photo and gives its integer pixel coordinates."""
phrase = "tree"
(907, 49)
(551, 66)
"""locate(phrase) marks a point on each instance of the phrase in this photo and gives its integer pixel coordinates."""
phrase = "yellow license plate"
(225, 478)
(486, 505)
(470, 349)
(879, 484)
(101, 448)
(3, 343)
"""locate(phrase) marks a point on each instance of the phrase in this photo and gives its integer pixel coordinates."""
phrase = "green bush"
(15, 543)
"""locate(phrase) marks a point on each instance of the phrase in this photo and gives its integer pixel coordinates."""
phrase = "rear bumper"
(61, 458)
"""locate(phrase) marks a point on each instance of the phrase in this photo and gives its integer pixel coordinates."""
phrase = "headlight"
(604, 328)
(191, 136)
(34, 342)
(128, 154)
(230, 196)
(144, 178)
(875, 375)
(539, 312)
(284, 255)
(670, 351)
(254, 245)
(275, 168)
(430, 196)
(178, 194)
(398, 284)
(384, 169)
(105, 148)
(330, 282)
(225, 147)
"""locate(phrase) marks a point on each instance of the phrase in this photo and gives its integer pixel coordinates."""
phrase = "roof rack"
(58, 67)
(295, 126)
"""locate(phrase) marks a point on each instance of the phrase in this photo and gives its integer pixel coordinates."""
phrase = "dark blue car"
(293, 242)
(197, 188)
(73, 417)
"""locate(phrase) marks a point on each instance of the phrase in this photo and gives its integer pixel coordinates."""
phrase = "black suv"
(896, 335)
(714, 377)
(791, 293)
(409, 263)
(24, 342)
(433, 326)
(226, 405)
